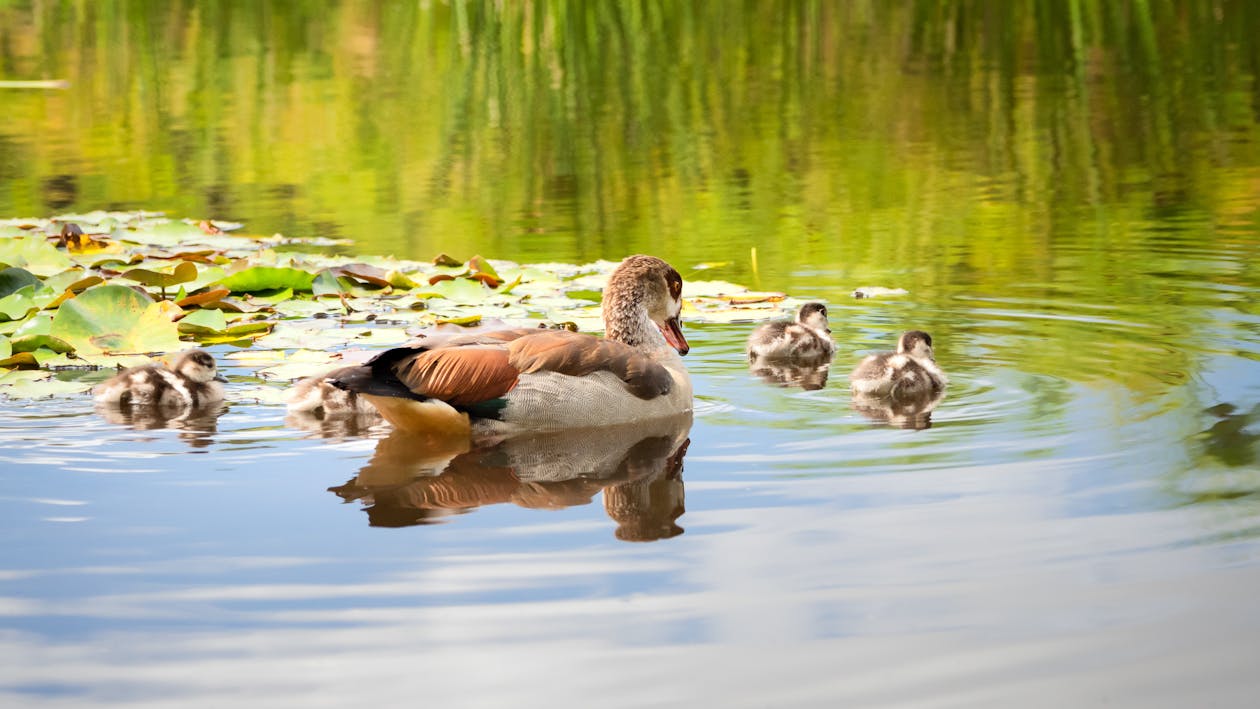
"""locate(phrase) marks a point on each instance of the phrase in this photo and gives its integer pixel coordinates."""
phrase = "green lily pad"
(35, 384)
(262, 278)
(26, 301)
(14, 279)
(459, 290)
(115, 319)
(211, 326)
(236, 334)
(30, 343)
(273, 298)
(202, 322)
(328, 283)
(33, 253)
(6, 348)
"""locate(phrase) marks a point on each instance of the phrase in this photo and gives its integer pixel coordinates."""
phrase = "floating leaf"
(37, 384)
(14, 279)
(878, 292)
(328, 283)
(209, 296)
(262, 278)
(33, 253)
(444, 260)
(30, 343)
(511, 286)
(460, 290)
(463, 320)
(398, 279)
(203, 322)
(236, 333)
(6, 349)
(183, 273)
(273, 298)
(115, 319)
(25, 301)
(364, 272)
(162, 232)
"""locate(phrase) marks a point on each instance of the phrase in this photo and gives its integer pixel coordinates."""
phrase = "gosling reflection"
(411, 480)
(810, 375)
(908, 412)
(197, 426)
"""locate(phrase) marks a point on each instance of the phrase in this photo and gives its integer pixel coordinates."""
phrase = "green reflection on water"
(1092, 165)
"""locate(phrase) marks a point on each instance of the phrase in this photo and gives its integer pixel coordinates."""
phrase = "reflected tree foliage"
(1021, 149)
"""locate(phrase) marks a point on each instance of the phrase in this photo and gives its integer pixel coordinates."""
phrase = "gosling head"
(197, 366)
(814, 317)
(916, 343)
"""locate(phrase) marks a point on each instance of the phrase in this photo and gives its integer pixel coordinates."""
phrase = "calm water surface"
(1071, 202)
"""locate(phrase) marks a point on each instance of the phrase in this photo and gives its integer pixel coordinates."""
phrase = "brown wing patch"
(577, 355)
(459, 375)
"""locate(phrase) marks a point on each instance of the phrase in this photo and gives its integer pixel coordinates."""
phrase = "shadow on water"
(412, 480)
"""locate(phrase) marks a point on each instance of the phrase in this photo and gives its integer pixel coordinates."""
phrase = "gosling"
(910, 372)
(806, 338)
(191, 381)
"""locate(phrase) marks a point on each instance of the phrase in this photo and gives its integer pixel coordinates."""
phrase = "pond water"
(1071, 200)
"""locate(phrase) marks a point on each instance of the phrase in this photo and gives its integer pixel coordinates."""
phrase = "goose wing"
(464, 371)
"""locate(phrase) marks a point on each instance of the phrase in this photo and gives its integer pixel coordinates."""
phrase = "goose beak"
(220, 378)
(672, 330)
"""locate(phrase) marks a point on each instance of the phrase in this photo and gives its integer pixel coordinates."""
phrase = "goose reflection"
(412, 480)
(196, 425)
(909, 412)
(807, 374)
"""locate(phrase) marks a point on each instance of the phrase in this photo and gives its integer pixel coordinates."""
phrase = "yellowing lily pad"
(115, 319)
(185, 272)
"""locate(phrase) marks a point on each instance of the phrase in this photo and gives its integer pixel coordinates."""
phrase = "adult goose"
(501, 383)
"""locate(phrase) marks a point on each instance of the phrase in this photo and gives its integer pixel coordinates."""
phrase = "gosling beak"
(220, 378)
(672, 330)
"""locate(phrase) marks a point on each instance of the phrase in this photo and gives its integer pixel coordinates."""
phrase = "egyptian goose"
(501, 383)
(806, 338)
(191, 381)
(909, 372)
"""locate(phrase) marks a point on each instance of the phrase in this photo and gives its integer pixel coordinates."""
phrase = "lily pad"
(459, 290)
(210, 296)
(185, 272)
(115, 319)
(14, 279)
(34, 254)
(328, 283)
(262, 278)
(203, 322)
(37, 384)
(26, 301)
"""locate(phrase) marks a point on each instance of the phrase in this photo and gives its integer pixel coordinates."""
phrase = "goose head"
(642, 304)
(814, 317)
(197, 366)
(916, 343)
